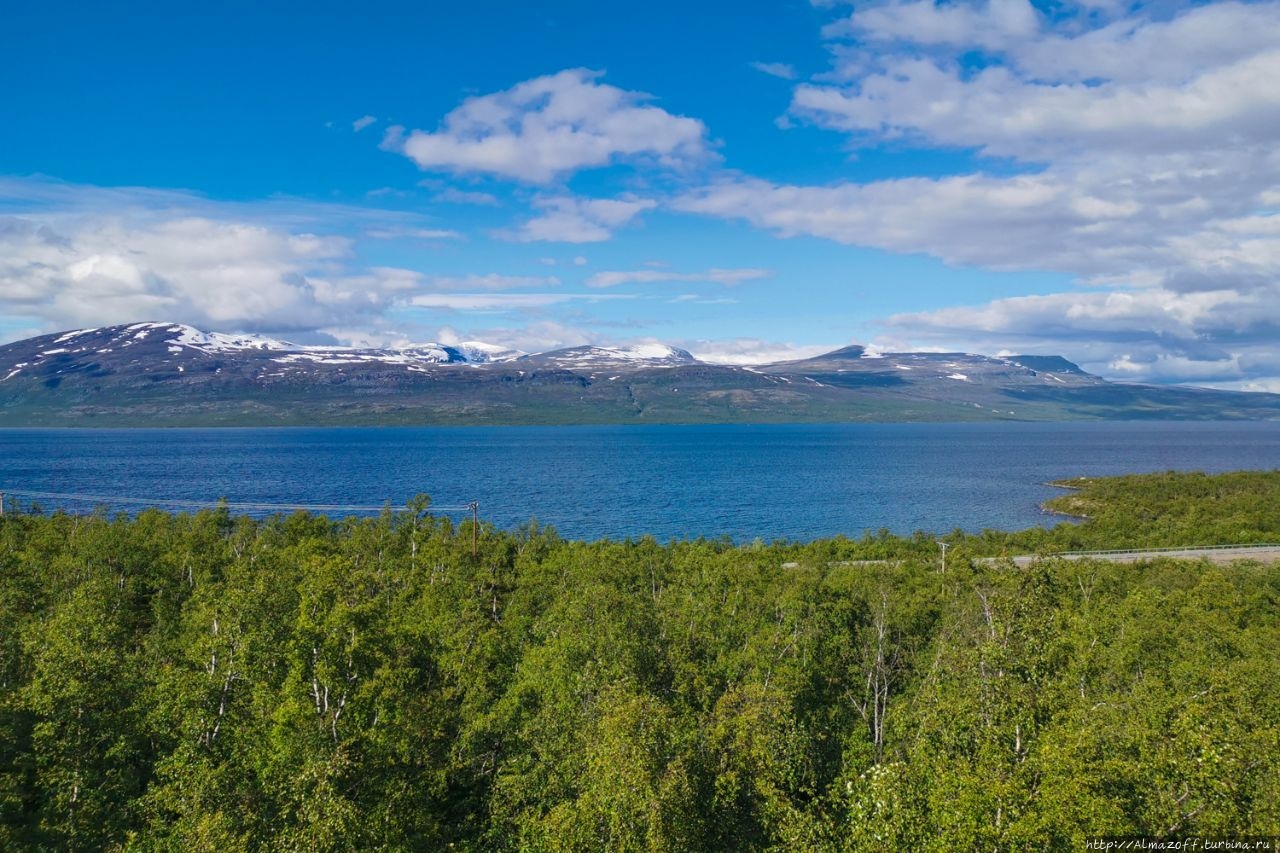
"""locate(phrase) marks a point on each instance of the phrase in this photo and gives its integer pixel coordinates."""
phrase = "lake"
(743, 481)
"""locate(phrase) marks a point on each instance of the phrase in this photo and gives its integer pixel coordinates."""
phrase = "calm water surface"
(794, 481)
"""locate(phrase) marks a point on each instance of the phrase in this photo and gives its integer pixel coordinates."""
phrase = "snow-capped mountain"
(592, 357)
(152, 374)
(478, 352)
(181, 343)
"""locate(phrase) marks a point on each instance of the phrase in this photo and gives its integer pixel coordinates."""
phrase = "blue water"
(775, 481)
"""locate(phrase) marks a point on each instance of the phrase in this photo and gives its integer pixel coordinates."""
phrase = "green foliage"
(202, 682)
(1171, 509)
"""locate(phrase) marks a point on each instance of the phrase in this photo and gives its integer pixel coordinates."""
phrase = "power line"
(194, 504)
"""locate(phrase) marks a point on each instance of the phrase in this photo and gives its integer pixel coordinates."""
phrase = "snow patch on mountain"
(217, 342)
(478, 352)
(637, 355)
(61, 339)
(654, 352)
(178, 338)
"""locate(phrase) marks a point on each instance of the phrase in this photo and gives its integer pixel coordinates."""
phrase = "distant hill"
(167, 374)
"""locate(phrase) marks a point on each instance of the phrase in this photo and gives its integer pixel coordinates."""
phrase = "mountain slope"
(148, 374)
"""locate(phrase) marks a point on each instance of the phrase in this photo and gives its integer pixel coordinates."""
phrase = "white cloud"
(391, 282)
(536, 336)
(781, 70)
(452, 195)
(502, 301)
(1267, 386)
(1145, 165)
(1152, 334)
(995, 24)
(698, 299)
(549, 127)
(1103, 223)
(1197, 81)
(431, 234)
(96, 271)
(84, 256)
(570, 219)
(547, 335)
(1159, 273)
(1151, 314)
(491, 281)
(727, 277)
(752, 351)
(48, 200)
(362, 122)
(1002, 115)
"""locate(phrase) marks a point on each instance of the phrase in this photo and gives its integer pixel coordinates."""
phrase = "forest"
(212, 682)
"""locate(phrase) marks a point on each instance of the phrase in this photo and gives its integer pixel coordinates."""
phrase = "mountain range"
(168, 374)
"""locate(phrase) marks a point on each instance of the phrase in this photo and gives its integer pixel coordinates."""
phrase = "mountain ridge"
(172, 374)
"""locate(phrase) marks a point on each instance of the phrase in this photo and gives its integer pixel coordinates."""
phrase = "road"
(1217, 554)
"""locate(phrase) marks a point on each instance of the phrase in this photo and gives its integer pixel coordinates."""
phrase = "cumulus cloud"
(79, 257)
(727, 277)
(572, 219)
(992, 25)
(1045, 92)
(1149, 334)
(1170, 259)
(1137, 153)
(1197, 222)
(549, 127)
(111, 270)
(362, 122)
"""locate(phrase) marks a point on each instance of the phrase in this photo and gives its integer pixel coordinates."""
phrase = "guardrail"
(1120, 554)
(1182, 549)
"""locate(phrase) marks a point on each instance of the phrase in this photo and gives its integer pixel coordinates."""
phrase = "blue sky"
(751, 181)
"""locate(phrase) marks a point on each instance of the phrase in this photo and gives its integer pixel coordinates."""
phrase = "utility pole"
(1, 504)
(943, 545)
(474, 506)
